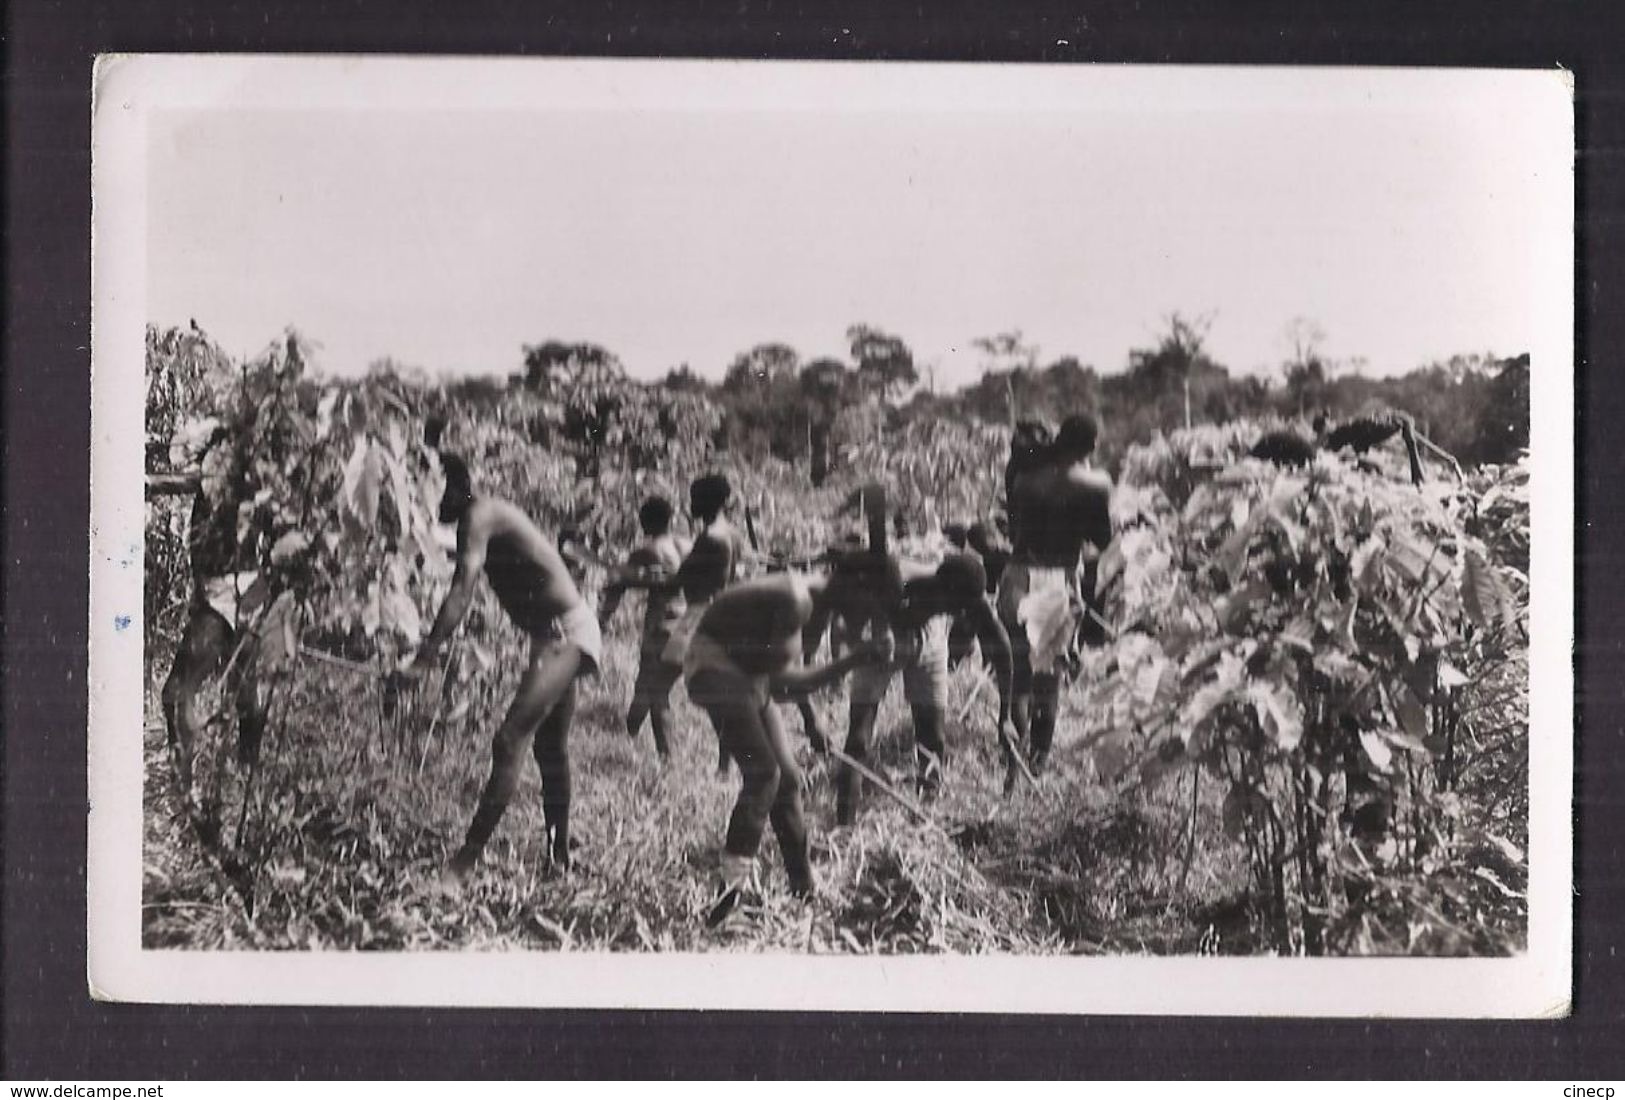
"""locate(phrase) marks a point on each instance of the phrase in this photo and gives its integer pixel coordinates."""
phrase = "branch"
(177, 483)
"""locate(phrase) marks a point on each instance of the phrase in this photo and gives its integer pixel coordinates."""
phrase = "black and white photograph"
(812, 535)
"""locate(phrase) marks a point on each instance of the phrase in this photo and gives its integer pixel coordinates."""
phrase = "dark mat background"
(52, 1029)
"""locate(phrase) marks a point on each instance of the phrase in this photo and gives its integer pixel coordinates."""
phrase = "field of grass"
(352, 817)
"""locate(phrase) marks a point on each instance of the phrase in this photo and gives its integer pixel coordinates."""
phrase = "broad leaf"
(369, 489)
(324, 413)
(1337, 665)
(1404, 741)
(354, 469)
(1279, 712)
(1483, 594)
(1451, 677)
(1412, 716)
(371, 611)
(1376, 750)
(1148, 678)
(1232, 555)
(1110, 567)
(1415, 561)
(191, 440)
(289, 546)
(397, 438)
(1364, 563)
(399, 613)
(405, 500)
(1299, 634)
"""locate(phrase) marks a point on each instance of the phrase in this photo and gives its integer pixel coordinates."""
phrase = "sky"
(686, 228)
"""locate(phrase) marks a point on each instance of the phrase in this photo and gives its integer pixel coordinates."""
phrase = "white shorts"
(579, 626)
(1039, 603)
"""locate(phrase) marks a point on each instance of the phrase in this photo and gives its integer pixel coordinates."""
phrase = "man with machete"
(911, 607)
(534, 587)
(746, 651)
(228, 594)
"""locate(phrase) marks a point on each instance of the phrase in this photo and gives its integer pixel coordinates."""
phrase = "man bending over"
(534, 587)
(746, 649)
(916, 605)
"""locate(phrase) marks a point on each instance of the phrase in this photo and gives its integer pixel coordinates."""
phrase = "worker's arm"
(797, 678)
(801, 680)
(642, 569)
(473, 534)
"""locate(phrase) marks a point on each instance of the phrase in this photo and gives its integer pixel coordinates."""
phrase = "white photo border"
(130, 88)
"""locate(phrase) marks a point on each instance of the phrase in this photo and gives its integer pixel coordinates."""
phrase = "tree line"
(812, 412)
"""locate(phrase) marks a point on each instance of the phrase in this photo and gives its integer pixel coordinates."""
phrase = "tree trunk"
(820, 455)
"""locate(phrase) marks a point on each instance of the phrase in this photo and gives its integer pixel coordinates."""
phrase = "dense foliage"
(1310, 639)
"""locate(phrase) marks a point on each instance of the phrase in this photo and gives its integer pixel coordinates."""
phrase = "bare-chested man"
(747, 649)
(710, 566)
(1060, 522)
(916, 604)
(534, 587)
(982, 540)
(712, 563)
(657, 560)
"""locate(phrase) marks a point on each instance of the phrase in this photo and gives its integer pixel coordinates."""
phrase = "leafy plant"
(1310, 640)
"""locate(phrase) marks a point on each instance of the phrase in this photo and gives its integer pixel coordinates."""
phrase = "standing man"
(917, 604)
(535, 589)
(1060, 522)
(658, 559)
(710, 566)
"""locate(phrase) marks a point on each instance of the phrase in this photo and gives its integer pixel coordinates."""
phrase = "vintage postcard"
(923, 537)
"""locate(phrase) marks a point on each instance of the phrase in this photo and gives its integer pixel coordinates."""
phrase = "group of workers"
(743, 646)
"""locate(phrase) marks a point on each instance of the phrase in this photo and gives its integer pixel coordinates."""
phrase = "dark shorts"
(656, 675)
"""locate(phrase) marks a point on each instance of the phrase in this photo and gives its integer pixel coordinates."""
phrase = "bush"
(1313, 640)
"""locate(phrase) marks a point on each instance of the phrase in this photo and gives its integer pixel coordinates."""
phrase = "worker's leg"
(550, 673)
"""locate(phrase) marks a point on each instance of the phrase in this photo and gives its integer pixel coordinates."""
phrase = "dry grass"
(349, 827)
(345, 836)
